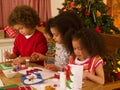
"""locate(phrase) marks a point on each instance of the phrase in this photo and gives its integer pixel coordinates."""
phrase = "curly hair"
(91, 41)
(66, 23)
(24, 15)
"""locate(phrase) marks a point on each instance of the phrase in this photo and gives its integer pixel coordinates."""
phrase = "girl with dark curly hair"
(24, 19)
(61, 28)
(88, 48)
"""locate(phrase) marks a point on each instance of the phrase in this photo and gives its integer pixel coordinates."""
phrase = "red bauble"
(72, 4)
(42, 24)
(87, 13)
(118, 75)
(64, 9)
(98, 29)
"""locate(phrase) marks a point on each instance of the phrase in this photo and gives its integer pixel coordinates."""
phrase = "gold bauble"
(118, 62)
(78, 6)
(118, 69)
(98, 13)
(113, 32)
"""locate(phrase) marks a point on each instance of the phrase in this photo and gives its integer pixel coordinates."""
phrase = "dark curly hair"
(24, 15)
(66, 23)
(91, 41)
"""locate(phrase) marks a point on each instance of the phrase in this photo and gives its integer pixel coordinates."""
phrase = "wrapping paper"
(11, 32)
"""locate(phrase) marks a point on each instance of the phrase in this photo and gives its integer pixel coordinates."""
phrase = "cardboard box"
(2, 34)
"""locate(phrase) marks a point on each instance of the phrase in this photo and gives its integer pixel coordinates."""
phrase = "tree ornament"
(92, 12)
(64, 9)
(94, 17)
(98, 14)
(87, 13)
(89, 7)
(72, 4)
(98, 29)
(78, 12)
(118, 62)
(112, 31)
(118, 69)
(78, 6)
(118, 75)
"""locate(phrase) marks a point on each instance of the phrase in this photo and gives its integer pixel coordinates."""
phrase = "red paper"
(1, 71)
(20, 88)
(10, 31)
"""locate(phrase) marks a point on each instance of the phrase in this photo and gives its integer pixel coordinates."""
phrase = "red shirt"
(25, 47)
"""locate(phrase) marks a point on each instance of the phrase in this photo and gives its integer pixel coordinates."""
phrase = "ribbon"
(68, 72)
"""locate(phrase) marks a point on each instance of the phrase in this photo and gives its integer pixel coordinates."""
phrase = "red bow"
(68, 72)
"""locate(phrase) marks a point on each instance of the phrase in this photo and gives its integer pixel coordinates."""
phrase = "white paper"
(45, 73)
(76, 77)
(1, 83)
(62, 80)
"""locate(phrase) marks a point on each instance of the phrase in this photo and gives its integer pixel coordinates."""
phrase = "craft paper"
(6, 66)
(62, 80)
(44, 72)
(74, 82)
(1, 83)
(37, 78)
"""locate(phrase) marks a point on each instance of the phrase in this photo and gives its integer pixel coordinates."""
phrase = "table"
(88, 85)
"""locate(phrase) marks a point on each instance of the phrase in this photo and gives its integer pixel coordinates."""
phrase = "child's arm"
(38, 56)
(9, 55)
(20, 60)
(52, 67)
(98, 77)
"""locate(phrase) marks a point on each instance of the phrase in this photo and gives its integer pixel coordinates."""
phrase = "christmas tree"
(93, 14)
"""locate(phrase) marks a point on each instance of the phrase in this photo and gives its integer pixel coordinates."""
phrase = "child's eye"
(55, 35)
(20, 28)
(79, 48)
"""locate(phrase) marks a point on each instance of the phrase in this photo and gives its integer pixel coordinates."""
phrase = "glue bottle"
(62, 80)
(27, 62)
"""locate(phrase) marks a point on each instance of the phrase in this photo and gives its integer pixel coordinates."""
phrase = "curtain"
(44, 9)
(41, 6)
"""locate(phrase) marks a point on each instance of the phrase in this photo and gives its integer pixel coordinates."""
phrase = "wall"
(54, 5)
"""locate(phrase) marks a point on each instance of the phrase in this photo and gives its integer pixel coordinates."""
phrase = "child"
(24, 19)
(88, 47)
(61, 29)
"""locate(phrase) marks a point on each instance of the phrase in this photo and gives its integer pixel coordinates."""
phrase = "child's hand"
(85, 74)
(7, 55)
(17, 60)
(52, 67)
(65, 66)
(37, 56)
